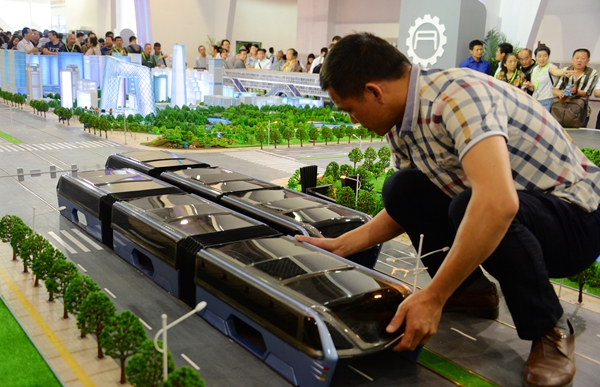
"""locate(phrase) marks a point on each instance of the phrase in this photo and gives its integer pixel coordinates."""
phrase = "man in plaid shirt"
(485, 169)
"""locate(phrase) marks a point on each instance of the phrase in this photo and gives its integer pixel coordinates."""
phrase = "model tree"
(346, 170)
(339, 132)
(326, 133)
(145, 369)
(302, 133)
(261, 135)
(122, 338)
(287, 133)
(59, 277)
(384, 156)
(76, 292)
(95, 314)
(275, 136)
(41, 266)
(7, 226)
(31, 249)
(367, 202)
(346, 197)
(349, 130)
(370, 156)
(20, 233)
(585, 277)
(361, 132)
(355, 156)
(313, 133)
(333, 170)
(184, 377)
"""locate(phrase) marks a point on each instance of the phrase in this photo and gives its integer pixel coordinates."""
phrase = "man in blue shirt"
(54, 46)
(476, 61)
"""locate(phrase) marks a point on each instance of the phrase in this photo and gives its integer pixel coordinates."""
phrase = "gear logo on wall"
(435, 35)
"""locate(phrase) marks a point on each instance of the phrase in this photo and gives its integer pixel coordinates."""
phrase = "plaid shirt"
(448, 112)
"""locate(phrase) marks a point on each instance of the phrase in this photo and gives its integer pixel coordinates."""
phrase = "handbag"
(572, 113)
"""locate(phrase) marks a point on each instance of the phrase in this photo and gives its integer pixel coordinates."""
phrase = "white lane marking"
(191, 362)
(75, 241)
(14, 148)
(588, 358)
(145, 324)
(464, 334)
(41, 147)
(370, 379)
(52, 146)
(109, 292)
(397, 259)
(87, 239)
(26, 147)
(63, 243)
(82, 268)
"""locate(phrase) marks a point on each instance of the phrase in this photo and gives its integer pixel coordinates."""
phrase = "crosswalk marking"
(62, 242)
(57, 145)
(270, 160)
(86, 238)
(75, 241)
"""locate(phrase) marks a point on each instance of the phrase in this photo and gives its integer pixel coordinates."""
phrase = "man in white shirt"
(319, 60)
(202, 59)
(262, 63)
(26, 45)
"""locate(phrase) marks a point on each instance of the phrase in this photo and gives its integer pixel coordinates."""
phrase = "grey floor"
(489, 348)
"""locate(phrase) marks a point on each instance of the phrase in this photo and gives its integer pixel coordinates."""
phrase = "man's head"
(108, 42)
(279, 54)
(253, 49)
(336, 39)
(35, 37)
(109, 33)
(525, 57)
(118, 41)
(324, 51)
(71, 39)
(503, 49)
(361, 89)
(80, 36)
(291, 54)
(476, 49)
(243, 54)
(147, 49)
(157, 48)
(271, 50)
(261, 53)
(53, 36)
(132, 40)
(27, 33)
(46, 33)
(202, 50)
(214, 50)
(225, 44)
(580, 59)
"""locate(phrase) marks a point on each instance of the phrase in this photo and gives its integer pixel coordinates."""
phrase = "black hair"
(117, 37)
(225, 40)
(109, 33)
(324, 50)
(217, 48)
(582, 50)
(79, 34)
(25, 30)
(243, 48)
(255, 45)
(349, 65)
(294, 52)
(474, 43)
(262, 49)
(132, 38)
(53, 33)
(543, 47)
(311, 55)
(271, 50)
(94, 41)
(157, 44)
(505, 48)
(336, 39)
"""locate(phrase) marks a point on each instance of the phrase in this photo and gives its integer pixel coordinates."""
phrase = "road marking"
(370, 379)
(397, 259)
(82, 268)
(588, 358)
(464, 334)
(145, 324)
(190, 361)
(109, 292)
(63, 243)
(77, 243)
(87, 239)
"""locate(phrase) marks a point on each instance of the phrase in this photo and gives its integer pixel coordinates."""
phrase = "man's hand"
(420, 313)
(329, 244)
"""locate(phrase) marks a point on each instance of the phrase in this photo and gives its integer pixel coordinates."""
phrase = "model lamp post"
(43, 213)
(163, 330)
(357, 180)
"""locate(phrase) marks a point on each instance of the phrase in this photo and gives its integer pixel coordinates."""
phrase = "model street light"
(43, 213)
(163, 330)
(358, 185)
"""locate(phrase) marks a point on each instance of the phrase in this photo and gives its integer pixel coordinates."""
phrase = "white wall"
(380, 17)
(29, 13)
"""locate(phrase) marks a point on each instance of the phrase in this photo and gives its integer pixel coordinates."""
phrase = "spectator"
(510, 73)
(336, 39)
(240, 62)
(231, 56)
(224, 55)
(278, 61)
(318, 61)
(202, 59)
(526, 64)
(148, 59)
(13, 43)
(45, 38)
(159, 56)
(262, 63)
(271, 53)
(26, 44)
(71, 45)
(214, 51)
(541, 82)
(133, 47)
(101, 42)
(108, 46)
(4, 39)
(252, 58)
(80, 37)
(597, 95)
(503, 49)
(291, 65)
(309, 61)
(93, 48)
(111, 34)
(118, 48)
(476, 61)
(54, 46)
(35, 39)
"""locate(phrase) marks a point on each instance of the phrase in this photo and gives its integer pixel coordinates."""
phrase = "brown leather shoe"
(483, 303)
(551, 362)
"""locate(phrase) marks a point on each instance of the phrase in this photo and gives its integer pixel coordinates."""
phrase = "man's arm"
(491, 209)
(380, 229)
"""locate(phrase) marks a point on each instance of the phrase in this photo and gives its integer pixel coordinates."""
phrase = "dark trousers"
(548, 238)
